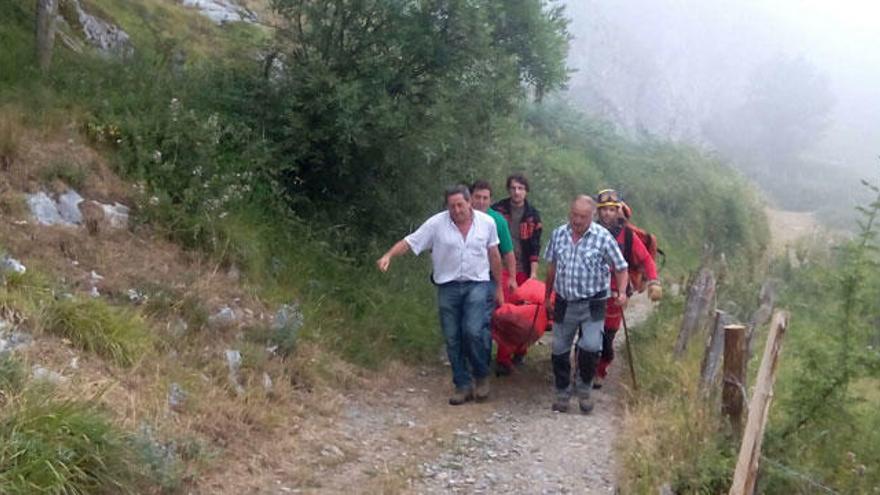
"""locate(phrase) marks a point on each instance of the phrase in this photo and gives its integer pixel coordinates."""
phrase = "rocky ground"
(402, 437)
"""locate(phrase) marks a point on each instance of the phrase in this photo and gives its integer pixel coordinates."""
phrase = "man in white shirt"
(464, 249)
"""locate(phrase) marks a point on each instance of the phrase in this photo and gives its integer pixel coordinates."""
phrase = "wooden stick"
(759, 407)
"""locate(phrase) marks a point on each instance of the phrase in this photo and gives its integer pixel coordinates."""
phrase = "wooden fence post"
(759, 407)
(714, 350)
(733, 395)
(766, 300)
(701, 294)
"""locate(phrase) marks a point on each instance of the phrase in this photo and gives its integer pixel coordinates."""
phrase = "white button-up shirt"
(456, 258)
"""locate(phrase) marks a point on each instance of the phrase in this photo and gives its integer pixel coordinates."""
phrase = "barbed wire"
(798, 475)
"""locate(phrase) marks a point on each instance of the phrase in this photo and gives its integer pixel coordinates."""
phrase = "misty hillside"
(791, 101)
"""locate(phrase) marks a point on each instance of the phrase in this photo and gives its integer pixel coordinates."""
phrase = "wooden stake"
(714, 350)
(759, 407)
(733, 392)
(697, 309)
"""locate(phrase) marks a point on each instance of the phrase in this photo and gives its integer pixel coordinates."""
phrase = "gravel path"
(402, 437)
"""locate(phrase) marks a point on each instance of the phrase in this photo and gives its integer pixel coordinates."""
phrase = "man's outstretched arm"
(401, 247)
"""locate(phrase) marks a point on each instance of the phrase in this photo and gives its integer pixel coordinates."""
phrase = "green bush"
(52, 446)
(71, 173)
(93, 325)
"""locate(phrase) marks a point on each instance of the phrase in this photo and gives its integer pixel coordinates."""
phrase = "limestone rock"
(222, 11)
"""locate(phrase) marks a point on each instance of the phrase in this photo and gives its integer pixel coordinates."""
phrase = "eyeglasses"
(607, 196)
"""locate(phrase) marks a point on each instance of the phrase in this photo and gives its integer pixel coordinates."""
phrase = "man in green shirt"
(481, 199)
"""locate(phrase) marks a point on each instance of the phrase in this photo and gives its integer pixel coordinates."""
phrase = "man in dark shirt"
(525, 230)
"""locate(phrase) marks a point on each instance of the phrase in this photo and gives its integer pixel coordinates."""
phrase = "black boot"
(587, 362)
(562, 375)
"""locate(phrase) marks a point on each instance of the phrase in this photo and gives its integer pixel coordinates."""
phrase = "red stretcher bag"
(530, 291)
(519, 324)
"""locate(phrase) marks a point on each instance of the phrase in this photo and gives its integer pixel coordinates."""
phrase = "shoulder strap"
(627, 243)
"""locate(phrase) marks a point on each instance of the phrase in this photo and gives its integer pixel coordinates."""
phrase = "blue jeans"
(464, 321)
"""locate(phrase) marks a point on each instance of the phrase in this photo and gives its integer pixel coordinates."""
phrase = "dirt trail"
(402, 437)
(787, 227)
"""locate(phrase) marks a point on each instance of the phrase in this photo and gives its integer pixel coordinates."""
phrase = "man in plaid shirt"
(579, 255)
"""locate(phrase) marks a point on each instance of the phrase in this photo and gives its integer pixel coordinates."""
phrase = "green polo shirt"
(505, 243)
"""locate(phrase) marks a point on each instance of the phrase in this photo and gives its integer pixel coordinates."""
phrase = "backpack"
(637, 272)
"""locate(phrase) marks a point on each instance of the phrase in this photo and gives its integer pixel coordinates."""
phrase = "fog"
(787, 91)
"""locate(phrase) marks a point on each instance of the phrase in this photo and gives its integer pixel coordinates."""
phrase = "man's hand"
(384, 262)
(511, 283)
(655, 291)
(550, 305)
(499, 295)
(621, 300)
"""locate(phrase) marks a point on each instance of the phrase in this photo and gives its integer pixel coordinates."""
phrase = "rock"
(40, 373)
(11, 340)
(223, 318)
(11, 265)
(178, 328)
(109, 39)
(44, 209)
(136, 296)
(221, 11)
(233, 362)
(176, 397)
(116, 215)
(234, 274)
(267, 382)
(93, 292)
(68, 207)
(289, 317)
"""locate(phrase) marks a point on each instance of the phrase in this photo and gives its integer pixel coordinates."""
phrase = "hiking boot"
(503, 370)
(586, 404)
(560, 404)
(461, 396)
(481, 391)
(598, 382)
(519, 360)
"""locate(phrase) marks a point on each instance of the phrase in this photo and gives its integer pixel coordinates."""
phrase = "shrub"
(93, 325)
(51, 446)
(71, 173)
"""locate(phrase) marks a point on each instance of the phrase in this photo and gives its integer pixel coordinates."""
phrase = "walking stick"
(629, 352)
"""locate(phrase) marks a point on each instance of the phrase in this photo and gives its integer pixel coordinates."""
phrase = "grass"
(12, 376)
(671, 434)
(70, 173)
(114, 333)
(10, 135)
(59, 446)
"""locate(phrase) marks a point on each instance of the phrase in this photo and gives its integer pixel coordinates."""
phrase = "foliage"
(825, 423)
(671, 434)
(71, 173)
(56, 446)
(95, 326)
(377, 100)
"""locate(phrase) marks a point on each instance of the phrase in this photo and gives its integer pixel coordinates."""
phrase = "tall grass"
(671, 435)
(114, 333)
(55, 446)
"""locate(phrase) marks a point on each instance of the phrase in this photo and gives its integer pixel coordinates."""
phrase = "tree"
(379, 102)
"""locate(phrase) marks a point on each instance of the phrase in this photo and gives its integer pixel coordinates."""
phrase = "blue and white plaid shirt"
(582, 268)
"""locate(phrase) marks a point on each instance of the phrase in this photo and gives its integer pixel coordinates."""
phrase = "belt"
(599, 295)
